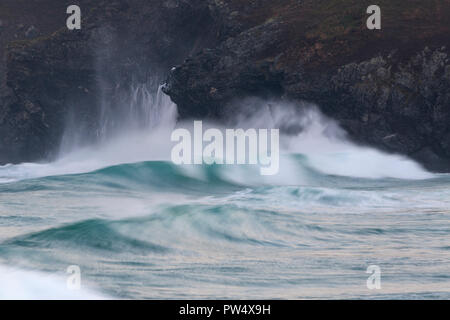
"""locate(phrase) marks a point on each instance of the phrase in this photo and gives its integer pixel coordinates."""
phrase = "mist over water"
(142, 133)
(27, 285)
(141, 227)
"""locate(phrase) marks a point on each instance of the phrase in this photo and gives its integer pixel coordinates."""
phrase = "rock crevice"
(387, 88)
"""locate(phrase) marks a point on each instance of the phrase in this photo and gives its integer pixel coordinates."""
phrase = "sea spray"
(234, 146)
(139, 226)
(303, 131)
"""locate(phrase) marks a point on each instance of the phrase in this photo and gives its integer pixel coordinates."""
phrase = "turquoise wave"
(136, 228)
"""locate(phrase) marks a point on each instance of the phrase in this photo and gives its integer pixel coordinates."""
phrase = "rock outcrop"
(388, 88)
(69, 74)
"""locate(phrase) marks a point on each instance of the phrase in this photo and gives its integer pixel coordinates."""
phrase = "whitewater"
(139, 226)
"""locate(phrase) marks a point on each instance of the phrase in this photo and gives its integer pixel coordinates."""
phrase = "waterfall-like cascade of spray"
(143, 107)
(139, 131)
(148, 119)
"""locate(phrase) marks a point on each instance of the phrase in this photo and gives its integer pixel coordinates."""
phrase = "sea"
(137, 226)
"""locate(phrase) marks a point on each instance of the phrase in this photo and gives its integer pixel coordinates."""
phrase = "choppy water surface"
(155, 230)
(140, 227)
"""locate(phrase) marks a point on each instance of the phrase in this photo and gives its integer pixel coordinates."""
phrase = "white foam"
(329, 152)
(29, 285)
(128, 145)
(326, 145)
(321, 140)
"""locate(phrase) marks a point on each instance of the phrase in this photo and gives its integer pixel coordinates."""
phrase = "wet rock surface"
(388, 88)
(66, 74)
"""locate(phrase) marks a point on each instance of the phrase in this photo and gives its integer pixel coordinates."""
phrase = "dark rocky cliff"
(388, 88)
(61, 73)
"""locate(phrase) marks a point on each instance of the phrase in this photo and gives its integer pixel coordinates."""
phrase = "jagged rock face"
(388, 88)
(402, 106)
(72, 72)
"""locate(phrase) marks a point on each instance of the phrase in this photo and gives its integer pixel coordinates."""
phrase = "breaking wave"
(140, 226)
